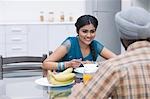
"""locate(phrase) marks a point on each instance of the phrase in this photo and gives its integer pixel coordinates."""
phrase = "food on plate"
(60, 78)
(68, 70)
(53, 81)
(63, 77)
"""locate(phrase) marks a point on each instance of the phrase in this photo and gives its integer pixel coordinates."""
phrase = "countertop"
(46, 23)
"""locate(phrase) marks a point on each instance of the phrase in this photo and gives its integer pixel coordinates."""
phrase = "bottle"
(62, 17)
(70, 17)
(51, 17)
(41, 16)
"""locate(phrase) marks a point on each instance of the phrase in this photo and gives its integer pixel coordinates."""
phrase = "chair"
(44, 70)
(135, 21)
(21, 66)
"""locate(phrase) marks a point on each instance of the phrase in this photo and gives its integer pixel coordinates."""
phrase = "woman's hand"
(74, 63)
(77, 62)
(87, 62)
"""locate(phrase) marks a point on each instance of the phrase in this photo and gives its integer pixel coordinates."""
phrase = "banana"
(68, 70)
(58, 79)
(49, 75)
(64, 77)
(55, 82)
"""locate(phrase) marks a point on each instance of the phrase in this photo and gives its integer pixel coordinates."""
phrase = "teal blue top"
(74, 51)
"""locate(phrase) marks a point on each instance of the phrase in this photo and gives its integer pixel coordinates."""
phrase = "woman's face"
(87, 33)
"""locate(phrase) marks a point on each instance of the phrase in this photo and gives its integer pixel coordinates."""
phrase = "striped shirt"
(126, 76)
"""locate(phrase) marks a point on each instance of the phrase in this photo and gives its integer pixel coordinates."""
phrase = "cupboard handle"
(17, 48)
(16, 30)
(16, 39)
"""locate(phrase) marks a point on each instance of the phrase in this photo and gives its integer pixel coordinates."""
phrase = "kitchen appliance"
(105, 11)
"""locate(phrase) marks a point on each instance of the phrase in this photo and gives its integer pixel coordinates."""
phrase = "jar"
(51, 16)
(41, 16)
(62, 17)
(70, 17)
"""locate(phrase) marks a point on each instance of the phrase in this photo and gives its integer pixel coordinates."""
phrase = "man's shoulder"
(130, 58)
(138, 45)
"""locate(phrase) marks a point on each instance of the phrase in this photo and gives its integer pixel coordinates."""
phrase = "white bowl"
(90, 68)
(91, 65)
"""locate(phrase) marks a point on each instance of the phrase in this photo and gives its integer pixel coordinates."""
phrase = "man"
(126, 76)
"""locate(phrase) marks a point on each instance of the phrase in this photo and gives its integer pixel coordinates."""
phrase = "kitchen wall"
(125, 4)
(29, 10)
(141, 3)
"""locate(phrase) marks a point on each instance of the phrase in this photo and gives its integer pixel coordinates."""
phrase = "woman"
(80, 49)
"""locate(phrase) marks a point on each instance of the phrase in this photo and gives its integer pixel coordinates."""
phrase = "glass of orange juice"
(89, 71)
(86, 77)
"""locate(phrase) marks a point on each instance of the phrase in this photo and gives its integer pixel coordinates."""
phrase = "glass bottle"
(51, 17)
(41, 16)
(62, 17)
(70, 17)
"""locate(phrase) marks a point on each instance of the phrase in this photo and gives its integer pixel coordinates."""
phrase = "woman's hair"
(85, 20)
(93, 52)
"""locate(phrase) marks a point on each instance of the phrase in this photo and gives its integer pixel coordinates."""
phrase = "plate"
(79, 70)
(44, 82)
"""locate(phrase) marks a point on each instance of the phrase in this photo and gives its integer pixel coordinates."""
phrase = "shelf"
(3, 23)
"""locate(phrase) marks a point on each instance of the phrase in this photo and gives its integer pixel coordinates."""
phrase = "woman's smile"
(88, 40)
(87, 34)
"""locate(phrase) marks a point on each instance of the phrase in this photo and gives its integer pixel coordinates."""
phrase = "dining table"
(27, 88)
(24, 88)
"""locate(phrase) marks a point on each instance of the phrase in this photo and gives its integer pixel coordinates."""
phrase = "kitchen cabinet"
(16, 40)
(2, 40)
(33, 39)
(37, 39)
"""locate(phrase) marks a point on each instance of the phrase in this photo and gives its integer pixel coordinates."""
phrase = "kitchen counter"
(33, 38)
